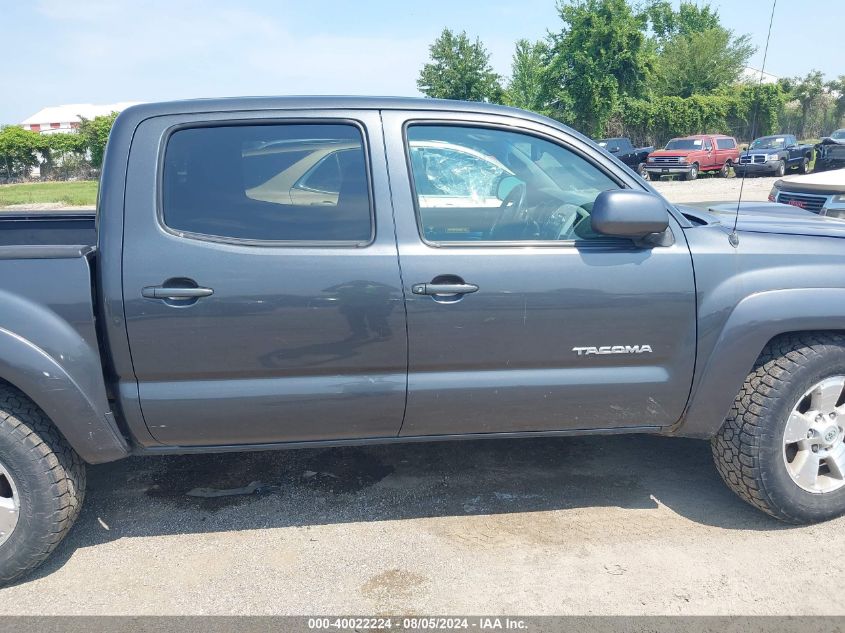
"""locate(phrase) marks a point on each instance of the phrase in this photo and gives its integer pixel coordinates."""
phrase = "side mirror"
(638, 215)
(614, 150)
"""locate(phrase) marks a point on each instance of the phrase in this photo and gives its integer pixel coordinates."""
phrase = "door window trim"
(265, 121)
(603, 242)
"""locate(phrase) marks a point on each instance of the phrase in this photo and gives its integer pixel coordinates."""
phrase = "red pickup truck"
(690, 155)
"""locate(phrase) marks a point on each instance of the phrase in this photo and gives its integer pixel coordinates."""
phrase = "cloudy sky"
(104, 51)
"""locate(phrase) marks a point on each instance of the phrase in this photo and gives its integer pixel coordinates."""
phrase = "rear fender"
(57, 365)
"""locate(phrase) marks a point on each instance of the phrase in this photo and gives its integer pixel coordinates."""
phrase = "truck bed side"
(48, 341)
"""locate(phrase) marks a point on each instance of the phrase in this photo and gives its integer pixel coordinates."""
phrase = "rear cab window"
(291, 182)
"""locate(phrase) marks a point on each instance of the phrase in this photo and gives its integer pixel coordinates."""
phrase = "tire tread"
(59, 465)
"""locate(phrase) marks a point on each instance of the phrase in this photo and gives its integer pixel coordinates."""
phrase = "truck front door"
(261, 286)
(520, 317)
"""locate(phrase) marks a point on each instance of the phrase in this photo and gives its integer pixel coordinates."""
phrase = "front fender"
(754, 321)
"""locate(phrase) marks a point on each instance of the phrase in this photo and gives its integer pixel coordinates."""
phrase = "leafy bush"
(18, 151)
(654, 121)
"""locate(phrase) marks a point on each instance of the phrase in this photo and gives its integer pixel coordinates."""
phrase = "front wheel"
(804, 167)
(42, 486)
(725, 171)
(692, 174)
(782, 447)
(780, 170)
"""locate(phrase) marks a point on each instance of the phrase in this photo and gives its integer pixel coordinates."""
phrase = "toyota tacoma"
(300, 272)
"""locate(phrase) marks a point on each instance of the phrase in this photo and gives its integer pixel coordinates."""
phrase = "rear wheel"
(42, 485)
(725, 171)
(692, 174)
(782, 447)
(641, 170)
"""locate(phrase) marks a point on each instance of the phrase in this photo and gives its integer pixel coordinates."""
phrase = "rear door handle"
(443, 289)
(162, 292)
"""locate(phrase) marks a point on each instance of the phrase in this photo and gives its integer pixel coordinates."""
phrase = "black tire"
(780, 170)
(748, 449)
(692, 174)
(804, 167)
(725, 171)
(49, 478)
(641, 170)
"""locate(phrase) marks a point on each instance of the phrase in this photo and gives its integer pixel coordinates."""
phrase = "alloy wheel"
(9, 504)
(814, 438)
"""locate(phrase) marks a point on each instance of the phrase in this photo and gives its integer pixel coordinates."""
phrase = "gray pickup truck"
(289, 272)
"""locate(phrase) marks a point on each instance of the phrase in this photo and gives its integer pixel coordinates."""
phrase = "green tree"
(701, 62)
(695, 53)
(600, 55)
(459, 69)
(809, 91)
(96, 134)
(526, 88)
(837, 92)
(18, 150)
(667, 23)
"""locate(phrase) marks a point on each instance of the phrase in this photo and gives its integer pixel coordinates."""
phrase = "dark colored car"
(690, 155)
(774, 155)
(625, 151)
(830, 152)
(288, 272)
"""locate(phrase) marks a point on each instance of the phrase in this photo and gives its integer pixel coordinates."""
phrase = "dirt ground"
(601, 525)
(714, 189)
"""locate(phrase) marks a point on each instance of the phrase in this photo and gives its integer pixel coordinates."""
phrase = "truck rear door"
(261, 284)
(520, 318)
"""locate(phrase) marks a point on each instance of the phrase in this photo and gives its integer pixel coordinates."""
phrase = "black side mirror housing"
(638, 215)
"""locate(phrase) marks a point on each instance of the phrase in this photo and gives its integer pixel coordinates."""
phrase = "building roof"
(752, 75)
(73, 112)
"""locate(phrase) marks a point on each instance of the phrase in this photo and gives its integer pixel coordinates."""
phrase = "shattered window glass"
(479, 184)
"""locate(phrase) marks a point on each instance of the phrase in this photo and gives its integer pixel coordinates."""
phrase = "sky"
(106, 51)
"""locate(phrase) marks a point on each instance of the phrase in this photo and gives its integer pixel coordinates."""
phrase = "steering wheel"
(572, 213)
(511, 208)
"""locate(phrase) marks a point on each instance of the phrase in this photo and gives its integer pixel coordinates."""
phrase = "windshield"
(839, 135)
(769, 142)
(684, 143)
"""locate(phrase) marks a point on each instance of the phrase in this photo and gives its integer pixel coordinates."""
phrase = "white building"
(751, 75)
(66, 118)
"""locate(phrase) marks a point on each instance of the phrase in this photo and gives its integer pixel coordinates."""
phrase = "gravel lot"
(614, 525)
(714, 189)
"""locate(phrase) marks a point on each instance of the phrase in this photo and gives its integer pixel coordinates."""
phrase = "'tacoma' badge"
(613, 349)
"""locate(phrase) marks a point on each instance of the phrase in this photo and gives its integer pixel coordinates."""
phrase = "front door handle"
(164, 292)
(443, 289)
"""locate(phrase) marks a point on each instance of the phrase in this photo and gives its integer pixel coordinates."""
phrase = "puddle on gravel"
(334, 470)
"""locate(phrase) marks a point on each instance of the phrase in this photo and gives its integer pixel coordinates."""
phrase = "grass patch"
(79, 193)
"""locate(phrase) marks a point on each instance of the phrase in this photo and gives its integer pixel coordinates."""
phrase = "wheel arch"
(83, 418)
(753, 324)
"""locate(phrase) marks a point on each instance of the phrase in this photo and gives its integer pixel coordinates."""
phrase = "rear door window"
(291, 182)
